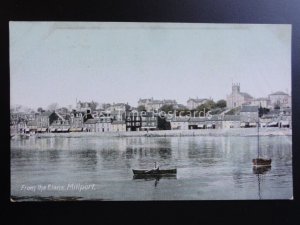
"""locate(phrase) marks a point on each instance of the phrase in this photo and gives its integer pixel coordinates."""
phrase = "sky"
(61, 62)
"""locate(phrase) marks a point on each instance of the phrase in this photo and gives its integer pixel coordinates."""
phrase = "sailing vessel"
(260, 161)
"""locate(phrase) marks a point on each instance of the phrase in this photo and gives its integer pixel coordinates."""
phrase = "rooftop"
(249, 108)
(261, 99)
(231, 118)
(279, 93)
(118, 122)
(197, 119)
(246, 95)
(198, 100)
(91, 121)
(180, 119)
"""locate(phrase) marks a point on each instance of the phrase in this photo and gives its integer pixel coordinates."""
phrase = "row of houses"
(83, 121)
(278, 99)
(247, 117)
(236, 98)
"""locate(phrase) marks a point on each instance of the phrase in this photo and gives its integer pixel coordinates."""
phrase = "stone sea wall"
(175, 133)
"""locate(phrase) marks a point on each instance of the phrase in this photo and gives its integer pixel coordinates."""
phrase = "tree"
(63, 110)
(94, 105)
(40, 109)
(262, 111)
(210, 104)
(221, 103)
(127, 107)
(141, 108)
(167, 108)
(105, 105)
(163, 124)
(276, 106)
(53, 106)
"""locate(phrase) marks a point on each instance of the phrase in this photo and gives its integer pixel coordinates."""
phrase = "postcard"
(131, 111)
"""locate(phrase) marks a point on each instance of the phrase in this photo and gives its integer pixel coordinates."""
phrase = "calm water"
(207, 168)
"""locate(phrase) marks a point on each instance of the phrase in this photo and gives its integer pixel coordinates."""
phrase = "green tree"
(167, 108)
(221, 103)
(40, 109)
(262, 111)
(94, 105)
(163, 124)
(210, 104)
(141, 108)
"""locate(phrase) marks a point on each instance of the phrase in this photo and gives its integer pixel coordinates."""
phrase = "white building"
(118, 126)
(179, 123)
(152, 104)
(122, 107)
(193, 103)
(231, 121)
(281, 99)
(238, 98)
(103, 124)
(261, 102)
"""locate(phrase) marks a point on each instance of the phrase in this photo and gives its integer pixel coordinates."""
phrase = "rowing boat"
(155, 172)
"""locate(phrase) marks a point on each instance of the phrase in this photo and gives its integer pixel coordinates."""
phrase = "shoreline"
(236, 132)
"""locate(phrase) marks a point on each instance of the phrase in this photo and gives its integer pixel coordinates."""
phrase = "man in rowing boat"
(156, 168)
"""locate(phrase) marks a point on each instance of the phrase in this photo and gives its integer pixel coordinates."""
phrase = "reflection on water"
(154, 178)
(207, 167)
(259, 171)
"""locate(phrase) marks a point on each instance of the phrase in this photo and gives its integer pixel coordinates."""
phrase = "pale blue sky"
(122, 62)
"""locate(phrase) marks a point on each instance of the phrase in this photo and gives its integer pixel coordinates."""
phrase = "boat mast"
(258, 151)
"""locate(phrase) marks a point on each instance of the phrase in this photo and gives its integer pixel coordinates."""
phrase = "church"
(238, 98)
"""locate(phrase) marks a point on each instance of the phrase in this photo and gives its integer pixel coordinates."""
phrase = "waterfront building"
(117, 126)
(280, 99)
(77, 118)
(58, 123)
(105, 124)
(102, 124)
(285, 118)
(197, 123)
(117, 115)
(270, 119)
(261, 102)
(231, 121)
(149, 121)
(31, 126)
(42, 119)
(179, 123)
(213, 122)
(249, 116)
(91, 125)
(193, 103)
(133, 121)
(238, 98)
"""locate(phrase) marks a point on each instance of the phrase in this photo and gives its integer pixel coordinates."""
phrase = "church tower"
(235, 88)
